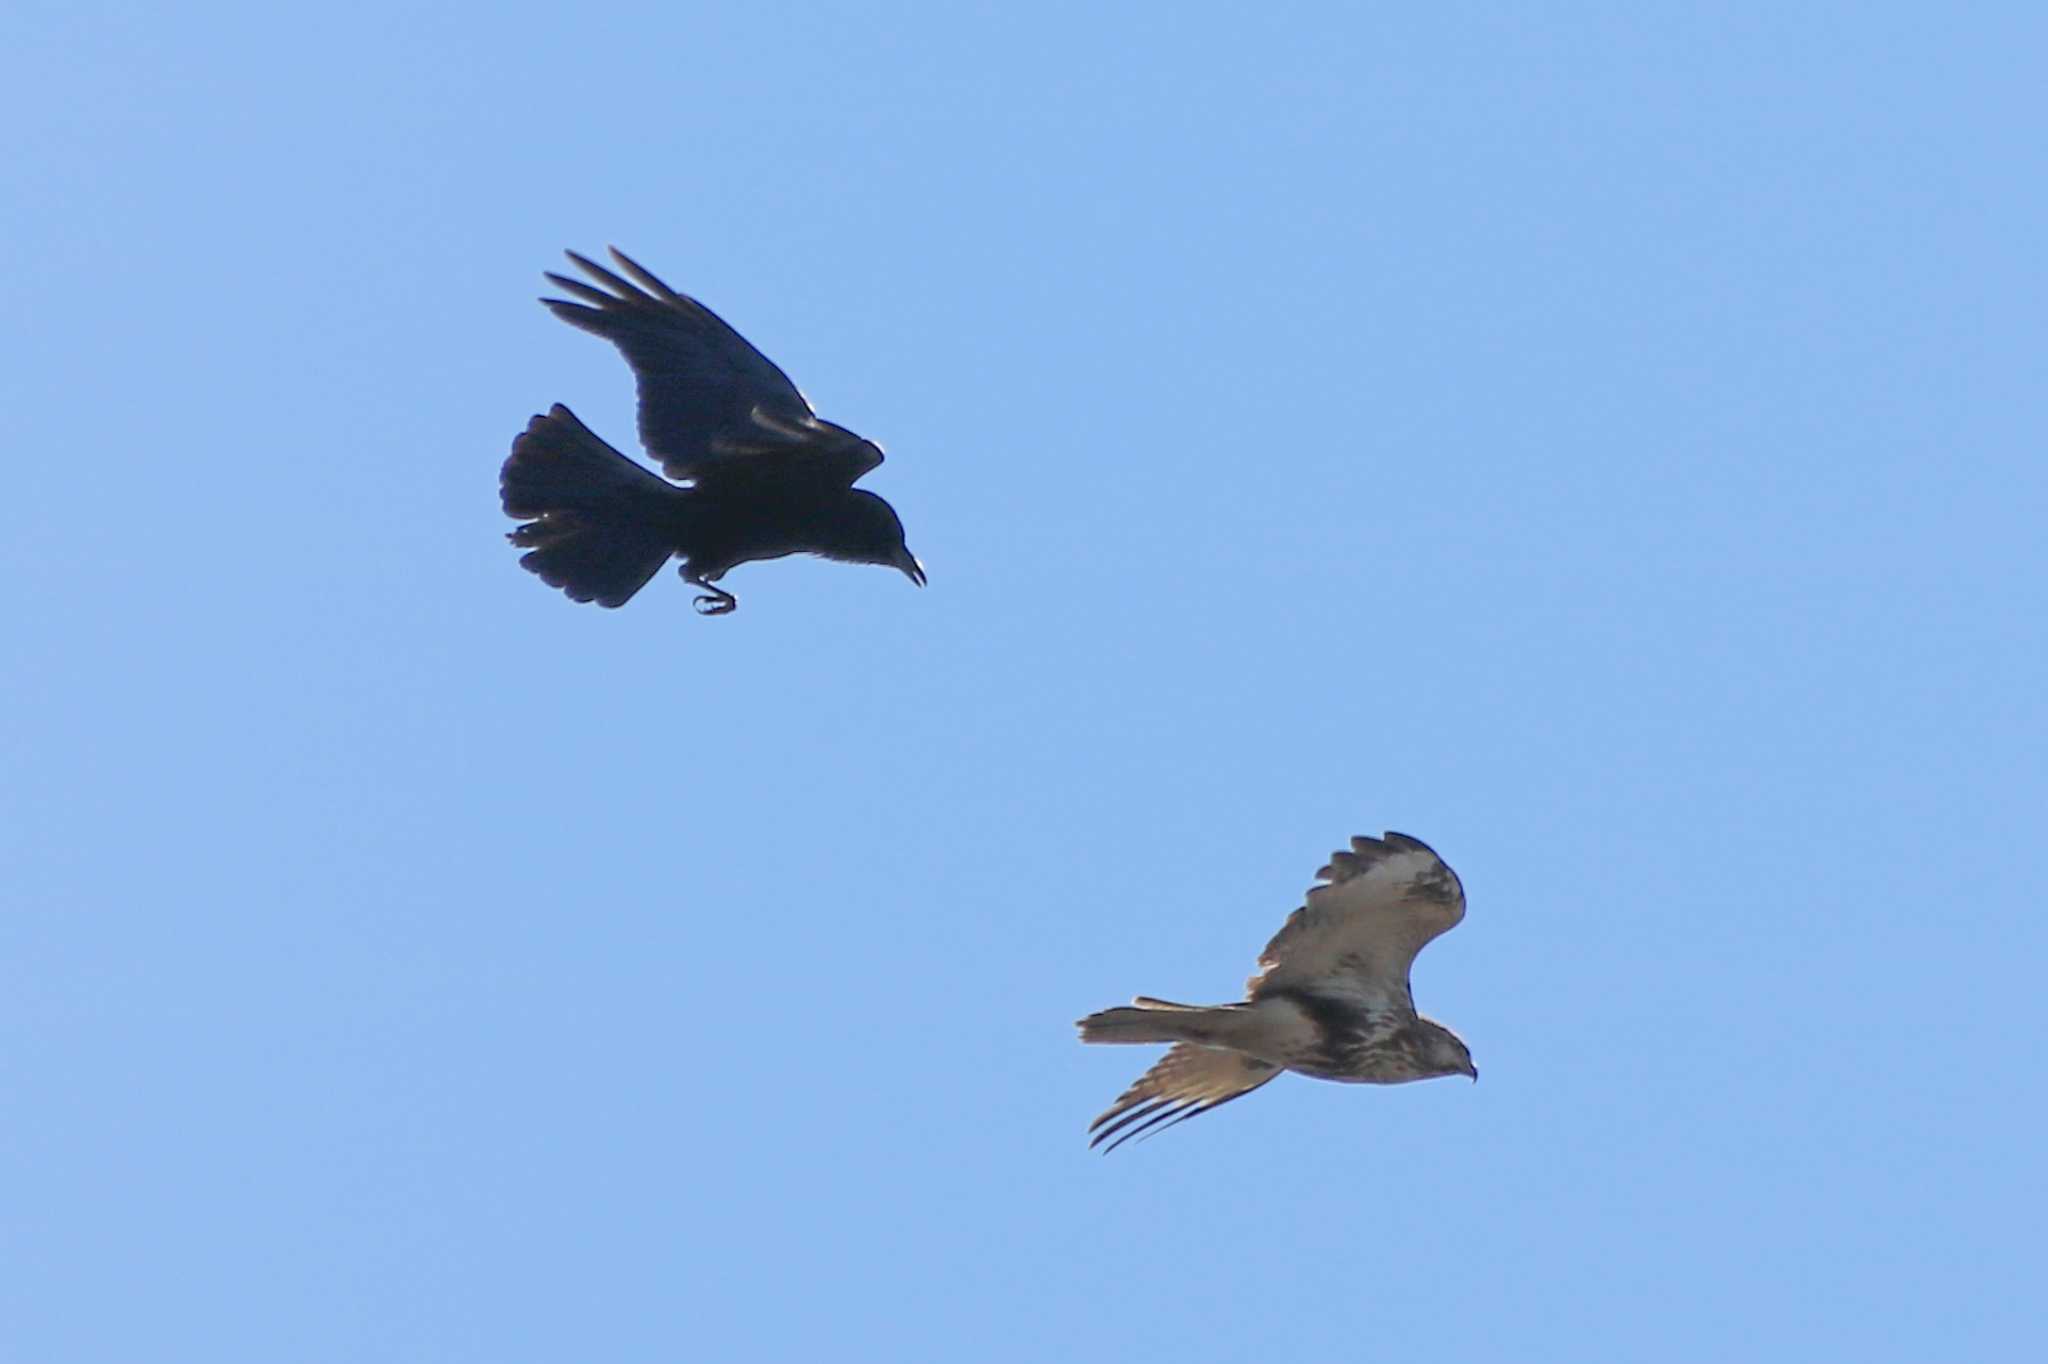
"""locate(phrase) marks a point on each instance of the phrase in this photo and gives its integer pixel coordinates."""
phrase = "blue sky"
(1605, 443)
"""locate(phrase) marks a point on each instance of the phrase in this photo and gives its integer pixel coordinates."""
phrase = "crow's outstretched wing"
(707, 397)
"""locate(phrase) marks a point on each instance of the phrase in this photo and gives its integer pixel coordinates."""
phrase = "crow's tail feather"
(598, 525)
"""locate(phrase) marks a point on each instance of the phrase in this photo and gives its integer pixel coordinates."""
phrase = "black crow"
(759, 475)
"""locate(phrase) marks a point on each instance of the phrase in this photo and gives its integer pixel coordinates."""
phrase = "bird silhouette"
(758, 475)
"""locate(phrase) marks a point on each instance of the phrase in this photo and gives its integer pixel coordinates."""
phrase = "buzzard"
(763, 475)
(1331, 998)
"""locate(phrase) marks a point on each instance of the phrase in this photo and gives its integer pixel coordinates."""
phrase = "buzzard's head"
(1441, 1051)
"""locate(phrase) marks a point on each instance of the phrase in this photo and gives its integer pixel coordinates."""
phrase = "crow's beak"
(912, 569)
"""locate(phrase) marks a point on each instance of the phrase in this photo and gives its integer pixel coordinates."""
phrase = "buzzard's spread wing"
(1188, 1080)
(1376, 907)
(706, 395)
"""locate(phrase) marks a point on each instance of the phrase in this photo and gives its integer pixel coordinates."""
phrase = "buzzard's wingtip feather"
(1125, 1116)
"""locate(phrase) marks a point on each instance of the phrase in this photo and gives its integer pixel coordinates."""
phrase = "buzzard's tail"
(598, 525)
(1159, 1020)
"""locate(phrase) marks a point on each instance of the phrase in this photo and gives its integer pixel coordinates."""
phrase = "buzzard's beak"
(1474, 1073)
(912, 569)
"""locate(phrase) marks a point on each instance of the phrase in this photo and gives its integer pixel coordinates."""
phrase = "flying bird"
(761, 475)
(1331, 999)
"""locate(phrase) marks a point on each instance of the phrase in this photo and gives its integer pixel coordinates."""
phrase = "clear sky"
(1605, 442)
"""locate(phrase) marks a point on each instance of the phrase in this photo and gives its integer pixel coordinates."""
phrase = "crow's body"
(765, 476)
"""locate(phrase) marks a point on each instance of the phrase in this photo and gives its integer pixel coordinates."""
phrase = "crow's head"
(866, 530)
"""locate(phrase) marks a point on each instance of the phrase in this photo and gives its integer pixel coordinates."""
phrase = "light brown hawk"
(1331, 998)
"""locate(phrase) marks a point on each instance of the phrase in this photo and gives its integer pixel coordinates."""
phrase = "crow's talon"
(715, 603)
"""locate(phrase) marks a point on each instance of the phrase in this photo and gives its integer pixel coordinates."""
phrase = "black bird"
(761, 475)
